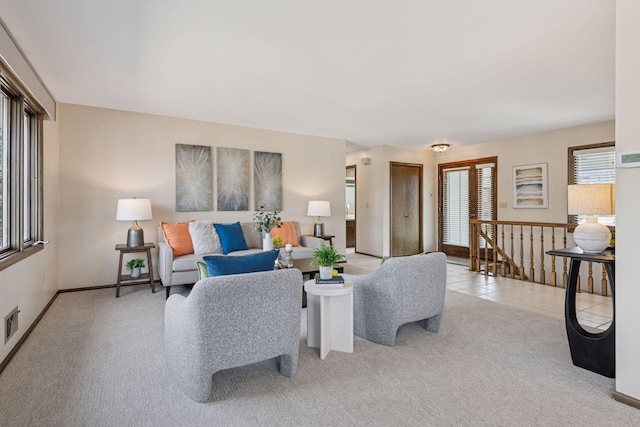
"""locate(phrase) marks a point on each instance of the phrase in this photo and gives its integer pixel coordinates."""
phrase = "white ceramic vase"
(326, 272)
(267, 242)
(135, 272)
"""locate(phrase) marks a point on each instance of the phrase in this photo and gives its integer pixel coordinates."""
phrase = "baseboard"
(364, 253)
(627, 400)
(24, 337)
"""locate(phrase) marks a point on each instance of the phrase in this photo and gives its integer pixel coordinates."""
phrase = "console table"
(592, 351)
(144, 278)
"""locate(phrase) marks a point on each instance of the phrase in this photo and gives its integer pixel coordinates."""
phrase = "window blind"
(485, 196)
(595, 166)
(455, 207)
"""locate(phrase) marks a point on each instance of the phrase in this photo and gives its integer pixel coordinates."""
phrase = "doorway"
(350, 207)
(406, 208)
(467, 190)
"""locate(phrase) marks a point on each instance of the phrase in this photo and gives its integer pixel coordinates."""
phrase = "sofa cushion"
(224, 265)
(204, 237)
(287, 233)
(231, 237)
(203, 271)
(178, 237)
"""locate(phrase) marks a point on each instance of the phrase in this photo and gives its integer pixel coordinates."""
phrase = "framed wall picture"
(193, 178)
(530, 187)
(232, 179)
(267, 180)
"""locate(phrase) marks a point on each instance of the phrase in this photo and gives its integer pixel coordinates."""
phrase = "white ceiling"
(372, 72)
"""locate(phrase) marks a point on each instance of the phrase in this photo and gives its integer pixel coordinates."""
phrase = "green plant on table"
(266, 220)
(326, 256)
(135, 263)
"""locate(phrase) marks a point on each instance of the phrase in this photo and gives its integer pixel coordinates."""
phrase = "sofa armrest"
(165, 263)
(311, 242)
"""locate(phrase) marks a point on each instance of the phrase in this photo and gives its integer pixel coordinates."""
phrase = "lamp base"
(135, 236)
(318, 229)
(592, 237)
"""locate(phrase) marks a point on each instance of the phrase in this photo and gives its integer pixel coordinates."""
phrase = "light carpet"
(95, 360)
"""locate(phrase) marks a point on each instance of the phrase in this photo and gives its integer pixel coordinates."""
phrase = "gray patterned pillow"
(204, 237)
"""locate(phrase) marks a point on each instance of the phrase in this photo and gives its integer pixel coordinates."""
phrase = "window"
(20, 166)
(593, 164)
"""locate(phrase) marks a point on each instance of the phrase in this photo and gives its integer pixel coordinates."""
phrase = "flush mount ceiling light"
(440, 148)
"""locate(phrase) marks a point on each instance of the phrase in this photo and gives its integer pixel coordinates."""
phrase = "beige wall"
(373, 235)
(31, 283)
(548, 147)
(627, 200)
(107, 154)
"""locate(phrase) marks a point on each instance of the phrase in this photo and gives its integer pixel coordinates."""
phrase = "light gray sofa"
(401, 290)
(183, 270)
(230, 321)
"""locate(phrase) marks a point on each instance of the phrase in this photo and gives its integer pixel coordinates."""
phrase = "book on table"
(335, 281)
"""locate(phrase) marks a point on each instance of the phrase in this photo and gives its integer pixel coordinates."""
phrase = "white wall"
(627, 200)
(373, 234)
(107, 154)
(31, 283)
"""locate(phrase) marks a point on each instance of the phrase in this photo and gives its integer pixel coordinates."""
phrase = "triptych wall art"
(194, 183)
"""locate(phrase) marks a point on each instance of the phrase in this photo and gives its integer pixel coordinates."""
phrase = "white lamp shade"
(319, 208)
(133, 209)
(591, 199)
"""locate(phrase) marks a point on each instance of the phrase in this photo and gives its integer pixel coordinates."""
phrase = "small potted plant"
(325, 257)
(277, 242)
(265, 222)
(135, 265)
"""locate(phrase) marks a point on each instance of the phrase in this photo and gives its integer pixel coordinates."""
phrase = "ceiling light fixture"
(440, 148)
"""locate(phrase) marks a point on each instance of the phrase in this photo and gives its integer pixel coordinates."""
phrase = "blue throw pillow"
(231, 237)
(223, 265)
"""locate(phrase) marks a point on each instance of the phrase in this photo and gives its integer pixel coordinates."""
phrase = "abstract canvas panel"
(232, 166)
(267, 180)
(194, 189)
(530, 187)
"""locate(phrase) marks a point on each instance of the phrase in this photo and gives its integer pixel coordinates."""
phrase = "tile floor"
(594, 311)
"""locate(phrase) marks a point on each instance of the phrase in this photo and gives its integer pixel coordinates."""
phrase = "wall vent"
(11, 324)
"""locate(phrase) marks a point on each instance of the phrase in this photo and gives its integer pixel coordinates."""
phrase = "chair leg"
(432, 324)
(288, 364)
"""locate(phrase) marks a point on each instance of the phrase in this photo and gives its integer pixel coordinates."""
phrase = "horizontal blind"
(485, 196)
(595, 166)
(455, 207)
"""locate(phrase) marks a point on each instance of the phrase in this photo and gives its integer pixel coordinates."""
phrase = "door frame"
(461, 251)
(355, 200)
(420, 167)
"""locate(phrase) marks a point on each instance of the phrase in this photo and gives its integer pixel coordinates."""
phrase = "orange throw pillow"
(287, 233)
(178, 237)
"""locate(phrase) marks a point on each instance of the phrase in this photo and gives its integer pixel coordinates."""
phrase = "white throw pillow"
(205, 238)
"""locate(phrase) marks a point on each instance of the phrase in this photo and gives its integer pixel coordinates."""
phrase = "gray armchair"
(230, 321)
(401, 290)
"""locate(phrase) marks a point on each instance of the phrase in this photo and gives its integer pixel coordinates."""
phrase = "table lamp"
(592, 200)
(134, 210)
(319, 208)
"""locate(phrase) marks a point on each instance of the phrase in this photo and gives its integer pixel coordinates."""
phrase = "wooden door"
(466, 190)
(406, 208)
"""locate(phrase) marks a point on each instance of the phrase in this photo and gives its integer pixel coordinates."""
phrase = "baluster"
(472, 232)
(504, 259)
(604, 291)
(494, 237)
(513, 258)
(521, 254)
(532, 271)
(553, 258)
(590, 278)
(542, 272)
(486, 254)
(477, 243)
